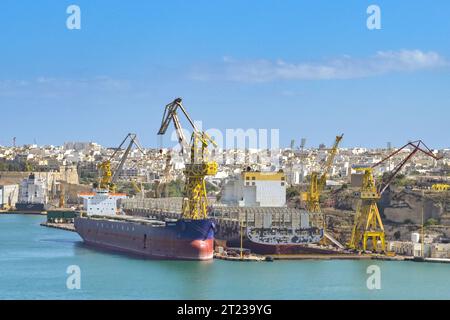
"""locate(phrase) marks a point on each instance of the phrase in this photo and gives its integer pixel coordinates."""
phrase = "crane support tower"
(317, 183)
(195, 203)
(368, 223)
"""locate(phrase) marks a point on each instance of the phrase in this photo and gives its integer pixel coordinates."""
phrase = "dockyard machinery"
(171, 115)
(108, 178)
(140, 191)
(317, 184)
(440, 187)
(198, 167)
(368, 223)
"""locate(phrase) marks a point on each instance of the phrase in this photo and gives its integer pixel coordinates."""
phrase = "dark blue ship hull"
(180, 239)
(34, 207)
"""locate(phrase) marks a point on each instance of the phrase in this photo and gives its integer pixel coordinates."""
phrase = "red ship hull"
(181, 240)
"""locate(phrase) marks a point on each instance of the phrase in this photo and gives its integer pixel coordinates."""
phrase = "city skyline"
(176, 147)
(312, 71)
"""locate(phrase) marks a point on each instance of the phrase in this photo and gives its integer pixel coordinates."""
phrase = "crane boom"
(108, 178)
(133, 141)
(329, 162)
(317, 184)
(418, 146)
(171, 115)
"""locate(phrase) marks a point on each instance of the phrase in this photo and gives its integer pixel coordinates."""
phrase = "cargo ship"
(175, 239)
(32, 195)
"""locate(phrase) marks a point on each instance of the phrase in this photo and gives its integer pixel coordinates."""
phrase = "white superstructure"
(101, 202)
(33, 191)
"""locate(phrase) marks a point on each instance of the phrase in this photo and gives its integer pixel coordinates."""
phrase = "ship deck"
(130, 219)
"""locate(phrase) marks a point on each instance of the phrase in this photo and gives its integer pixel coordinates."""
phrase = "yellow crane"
(138, 189)
(107, 177)
(440, 187)
(198, 168)
(105, 182)
(317, 184)
(368, 224)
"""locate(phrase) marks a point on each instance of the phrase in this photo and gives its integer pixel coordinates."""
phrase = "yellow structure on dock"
(440, 187)
(368, 223)
(316, 186)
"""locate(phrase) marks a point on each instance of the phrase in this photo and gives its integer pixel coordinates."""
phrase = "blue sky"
(310, 68)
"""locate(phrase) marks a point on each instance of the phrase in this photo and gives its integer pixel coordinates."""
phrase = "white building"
(411, 249)
(256, 189)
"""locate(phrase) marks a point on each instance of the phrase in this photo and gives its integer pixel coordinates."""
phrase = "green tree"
(176, 188)
(431, 222)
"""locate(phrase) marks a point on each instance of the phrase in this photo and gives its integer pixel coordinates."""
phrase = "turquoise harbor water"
(34, 261)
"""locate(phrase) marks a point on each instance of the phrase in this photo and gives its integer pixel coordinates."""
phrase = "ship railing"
(153, 204)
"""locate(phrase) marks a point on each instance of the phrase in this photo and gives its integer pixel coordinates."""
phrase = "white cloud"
(345, 67)
(53, 87)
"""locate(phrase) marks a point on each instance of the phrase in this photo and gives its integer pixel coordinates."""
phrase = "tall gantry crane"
(108, 178)
(368, 223)
(195, 202)
(317, 184)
